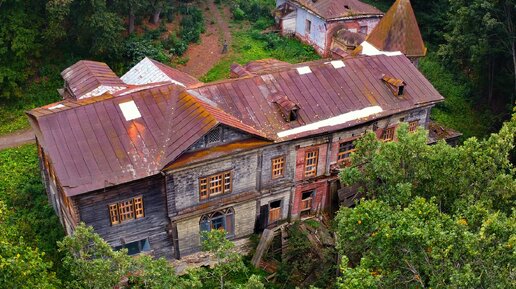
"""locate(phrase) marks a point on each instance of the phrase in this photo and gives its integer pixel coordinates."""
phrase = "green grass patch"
(22, 191)
(380, 4)
(457, 111)
(249, 44)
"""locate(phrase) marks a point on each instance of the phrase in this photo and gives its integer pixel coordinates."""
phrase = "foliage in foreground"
(436, 216)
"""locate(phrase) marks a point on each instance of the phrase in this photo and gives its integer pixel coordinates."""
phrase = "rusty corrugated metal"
(331, 9)
(86, 76)
(398, 31)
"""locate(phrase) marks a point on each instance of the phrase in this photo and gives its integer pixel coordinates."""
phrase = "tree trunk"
(132, 18)
(155, 16)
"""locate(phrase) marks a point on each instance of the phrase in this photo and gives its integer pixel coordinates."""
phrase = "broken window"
(311, 158)
(214, 185)
(413, 126)
(219, 220)
(345, 150)
(308, 26)
(278, 167)
(306, 200)
(274, 211)
(126, 210)
(136, 247)
(388, 134)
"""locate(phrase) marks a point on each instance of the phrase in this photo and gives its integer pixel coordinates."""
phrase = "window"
(220, 220)
(388, 134)
(345, 150)
(306, 200)
(136, 247)
(413, 126)
(214, 185)
(126, 210)
(363, 29)
(274, 211)
(308, 26)
(311, 158)
(278, 167)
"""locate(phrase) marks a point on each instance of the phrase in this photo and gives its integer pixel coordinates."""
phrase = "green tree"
(227, 260)
(94, 264)
(21, 266)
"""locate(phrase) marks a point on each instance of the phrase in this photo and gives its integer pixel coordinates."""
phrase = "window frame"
(311, 173)
(225, 186)
(279, 209)
(281, 168)
(126, 210)
(413, 125)
(388, 134)
(349, 151)
(205, 221)
(308, 26)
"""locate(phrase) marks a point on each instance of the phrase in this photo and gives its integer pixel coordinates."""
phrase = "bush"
(136, 48)
(251, 10)
(192, 25)
(263, 23)
(174, 45)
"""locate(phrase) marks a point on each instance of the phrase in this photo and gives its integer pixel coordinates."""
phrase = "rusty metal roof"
(323, 93)
(332, 9)
(92, 146)
(398, 31)
(91, 78)
(348, 38)
(94, 143)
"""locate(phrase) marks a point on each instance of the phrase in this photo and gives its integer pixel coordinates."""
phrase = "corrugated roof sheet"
(91, 78)
(92, 146)
(149, 71)
(331, 9)
(398, 31)
(323, 93)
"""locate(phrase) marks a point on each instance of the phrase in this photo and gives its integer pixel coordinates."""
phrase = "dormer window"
(395, 85)
(289, 109)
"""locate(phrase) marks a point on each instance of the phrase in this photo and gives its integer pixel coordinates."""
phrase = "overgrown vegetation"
(434, 216)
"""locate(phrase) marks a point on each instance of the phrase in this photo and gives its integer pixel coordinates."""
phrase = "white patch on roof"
(130, 110)
(338, 64)
(304, 70)
(56, 106)
(340, 119)
(146, 72)
(369, 49)
(101, 90)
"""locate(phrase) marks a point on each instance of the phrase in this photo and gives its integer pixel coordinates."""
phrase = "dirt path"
(16, 138)
(203, 56)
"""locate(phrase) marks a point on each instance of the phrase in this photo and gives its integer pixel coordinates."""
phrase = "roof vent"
(347, 7)
(395, 85)
(288, 108)
(130, 110)
(304, 70)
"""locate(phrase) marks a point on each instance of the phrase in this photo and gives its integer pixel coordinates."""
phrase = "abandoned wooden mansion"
(153, 158)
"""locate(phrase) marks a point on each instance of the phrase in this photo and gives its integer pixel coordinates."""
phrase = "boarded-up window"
(126, 210)
(388, 134)
(274, 211)
(308, 26)
(413, 126)
(345, 150)
(311, 158)
(278, 167)
(214, 185)
(306, 201)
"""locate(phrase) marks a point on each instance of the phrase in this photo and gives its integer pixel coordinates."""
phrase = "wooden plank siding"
(94, 212)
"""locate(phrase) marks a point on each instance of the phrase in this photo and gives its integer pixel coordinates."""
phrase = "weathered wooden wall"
(94, 212)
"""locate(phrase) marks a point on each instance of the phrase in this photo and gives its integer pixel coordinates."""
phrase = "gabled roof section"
(398, 31)
(108, 140)
(149, 71)
(334, 9)
(88, 78)
(347, 92)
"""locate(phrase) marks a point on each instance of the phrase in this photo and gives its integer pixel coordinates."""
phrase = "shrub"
(192, 25)
(175, 45)
(251, 10)
(136, 48)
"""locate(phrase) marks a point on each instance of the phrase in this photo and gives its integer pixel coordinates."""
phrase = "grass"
(22, 191)
(249, 44)
(457, 111)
